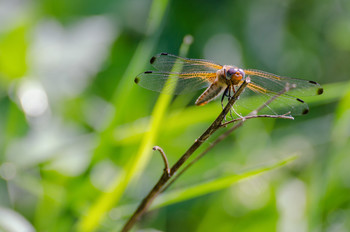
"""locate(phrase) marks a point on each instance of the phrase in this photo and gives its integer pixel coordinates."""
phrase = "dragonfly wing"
(255, 96)
(274, 83)
(174, 83)
(165, 62)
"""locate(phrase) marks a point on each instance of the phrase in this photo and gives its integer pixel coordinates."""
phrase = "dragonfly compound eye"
(230, 73)
(242, 73)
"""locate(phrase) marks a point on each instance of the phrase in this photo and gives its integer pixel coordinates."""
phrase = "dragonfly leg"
(223, 97)
(233, 90)
(233, 108)
(238, 114)
(229, 97)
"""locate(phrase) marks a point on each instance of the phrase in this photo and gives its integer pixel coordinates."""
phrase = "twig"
(283, 116)
(212, 128)
(166, 168)
(219, 139)
(286, 88)
(252, 115)
(164, 183)
(146, 202)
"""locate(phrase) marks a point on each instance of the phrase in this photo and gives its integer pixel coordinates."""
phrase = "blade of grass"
(328, 170)
(143, 52)
(180, 195)
(158, 114)
(137, 163)
(166, 176)
(91, 220)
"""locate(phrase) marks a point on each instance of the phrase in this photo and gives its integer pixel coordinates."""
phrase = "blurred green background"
(76, 132)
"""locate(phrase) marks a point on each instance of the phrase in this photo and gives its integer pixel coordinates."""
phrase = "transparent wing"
(183, 83)
(165, 62)
(274, 83)
(255, 96)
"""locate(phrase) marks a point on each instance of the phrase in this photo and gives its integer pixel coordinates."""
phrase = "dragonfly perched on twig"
(219, 79)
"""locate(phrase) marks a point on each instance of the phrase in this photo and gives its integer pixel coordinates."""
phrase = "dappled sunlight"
(33, 99)
(253, 194)
(291, 204)
(66, 59)
(103, 174)
(13, 221)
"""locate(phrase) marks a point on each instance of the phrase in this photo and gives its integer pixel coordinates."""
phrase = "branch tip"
(166, 164)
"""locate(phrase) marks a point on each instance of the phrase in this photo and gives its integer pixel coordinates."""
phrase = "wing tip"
(305, 111)
(137, 78)
(155, 57)
(319, 91)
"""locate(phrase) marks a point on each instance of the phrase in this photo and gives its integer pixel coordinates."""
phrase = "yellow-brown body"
(226, 78)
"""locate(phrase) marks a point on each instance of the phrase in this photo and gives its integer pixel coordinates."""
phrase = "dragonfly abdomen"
(210, 94)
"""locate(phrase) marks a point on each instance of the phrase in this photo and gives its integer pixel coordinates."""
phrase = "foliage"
(77, 133)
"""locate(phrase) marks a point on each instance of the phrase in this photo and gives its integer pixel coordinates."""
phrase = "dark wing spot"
(152, 59)
(298, 99)
(319, 91)
(148, 72)
(164, 54)
(313, 82)
(136, 80)
(305, 111)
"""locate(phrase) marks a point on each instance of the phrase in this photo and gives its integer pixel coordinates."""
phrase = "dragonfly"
(188, 75)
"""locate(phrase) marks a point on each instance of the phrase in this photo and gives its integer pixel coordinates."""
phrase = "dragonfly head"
(235, 75)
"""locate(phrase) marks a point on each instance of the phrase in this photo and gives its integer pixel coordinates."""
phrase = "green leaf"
(137, 163)
(13, 51)
(180, 195)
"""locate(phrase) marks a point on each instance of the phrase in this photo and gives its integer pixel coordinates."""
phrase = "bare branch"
(252, 115)
(166, 168)
(146, 202)
(219, 139)
(212, 128)
(283, 116)
(286, 88)
(164, 183)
